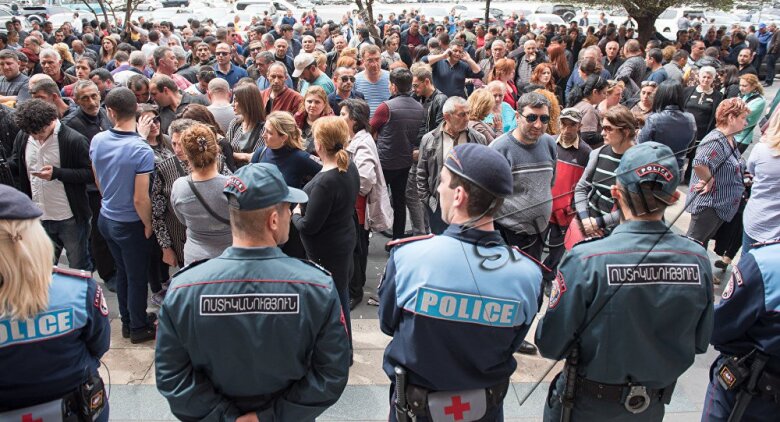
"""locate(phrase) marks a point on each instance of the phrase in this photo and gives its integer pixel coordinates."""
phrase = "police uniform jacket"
(457, 306)
(48, 356)
(748, 315)
(251, 330)
(642, 310)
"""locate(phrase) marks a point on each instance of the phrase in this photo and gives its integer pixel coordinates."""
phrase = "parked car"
(42, 13)
(175, 3)
(666, 23)
(149, 5)
(565, 11)
(542, 19)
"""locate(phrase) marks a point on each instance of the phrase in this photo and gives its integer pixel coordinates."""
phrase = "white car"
(666, 23)
(149, 5)
(542, 19)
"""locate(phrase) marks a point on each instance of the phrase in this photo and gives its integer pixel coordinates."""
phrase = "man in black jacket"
(52, 162)
(89, 120)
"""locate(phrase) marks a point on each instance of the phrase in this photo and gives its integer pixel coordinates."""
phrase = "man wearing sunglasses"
(224, 68)
(344, 78)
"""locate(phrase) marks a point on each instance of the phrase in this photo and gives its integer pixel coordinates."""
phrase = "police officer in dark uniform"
(53, 326)
(457, 315)
(253, 334)
(745, 377)
(632, 310)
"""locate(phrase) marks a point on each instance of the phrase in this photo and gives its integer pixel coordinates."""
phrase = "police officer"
(253, 334)
(457, 316)
(53, 326)
(636, 314)
(747, 334)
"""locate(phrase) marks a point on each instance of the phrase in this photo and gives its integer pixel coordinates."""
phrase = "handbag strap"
(205, 204)
(179, 167)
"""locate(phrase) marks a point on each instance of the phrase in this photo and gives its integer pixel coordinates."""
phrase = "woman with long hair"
(669, 124)
(585, 99)
(363, 152)
(592, 197)
(752, 93)
(65, 55)
(701, 101)
(69, 307)
(202, 114)
(504, 71)
(284, 149)
(729, 81)
(717, 181)
(148, 118)
(198, 200)
(542, 76)
(107, 52)
(326, 222)
(481, 103)
(245, 131)
(560, 67)
(314, 105)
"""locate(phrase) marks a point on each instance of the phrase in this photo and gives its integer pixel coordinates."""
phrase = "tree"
(367, 13)
(647, 11)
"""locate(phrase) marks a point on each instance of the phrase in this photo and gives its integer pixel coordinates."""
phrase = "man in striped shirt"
(373, 82)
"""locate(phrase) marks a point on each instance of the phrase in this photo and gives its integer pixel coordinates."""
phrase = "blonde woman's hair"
(481, 103)
(754, 82)
(25, 268)
(772, 135)
(332, 134)
(64, 51)
(284, 124)
(554, 127)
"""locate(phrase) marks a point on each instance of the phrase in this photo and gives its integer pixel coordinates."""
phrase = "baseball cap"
(260, 185)
(572, 114)
(761, 25)
(14, 205)
(482, 166)
(650, 162)
(302, 61)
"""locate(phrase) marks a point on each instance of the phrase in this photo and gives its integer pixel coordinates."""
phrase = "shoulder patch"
(693, 240)
(557, 290)
(737, 276)
(100, 302)
(729, 290)
(393, 243)
(315, 265)
(72, 272)
(189, 267)
(539, 263)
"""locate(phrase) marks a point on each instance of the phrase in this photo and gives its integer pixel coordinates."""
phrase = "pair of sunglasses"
(532, 118)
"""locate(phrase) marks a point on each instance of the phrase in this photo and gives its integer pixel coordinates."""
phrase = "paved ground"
(129, 369)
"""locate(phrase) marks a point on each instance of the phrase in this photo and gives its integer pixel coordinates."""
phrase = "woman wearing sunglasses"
(585, 99)
(592, 198)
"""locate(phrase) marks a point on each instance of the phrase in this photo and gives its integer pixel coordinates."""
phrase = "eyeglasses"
(256, 49)
(610, 129)
(532, 118)
(649, 83)
(348, 79)
(222, 53)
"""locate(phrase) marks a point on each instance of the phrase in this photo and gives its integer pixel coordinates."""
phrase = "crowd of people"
(150, 147)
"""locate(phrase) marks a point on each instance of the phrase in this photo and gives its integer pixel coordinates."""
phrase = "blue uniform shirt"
(50, 355)
(457, 306)
(748, 315)
(232, 76)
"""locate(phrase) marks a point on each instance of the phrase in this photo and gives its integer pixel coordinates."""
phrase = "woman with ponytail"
(326, 222)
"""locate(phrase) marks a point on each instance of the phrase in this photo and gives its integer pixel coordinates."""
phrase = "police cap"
(15, 205)
(260, 185)
(482, 166)
(650, 162)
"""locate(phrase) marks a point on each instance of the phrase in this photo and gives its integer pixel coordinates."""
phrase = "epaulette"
(692, 239)
(316, 265)
(72, 272)
(539, 263)
(587, 240)
(192, 265)
(762, 244)
(393, 243)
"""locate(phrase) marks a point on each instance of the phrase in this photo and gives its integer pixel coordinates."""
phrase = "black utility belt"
(636, 398)
(734, 373)
(438, 404)
(85, 404)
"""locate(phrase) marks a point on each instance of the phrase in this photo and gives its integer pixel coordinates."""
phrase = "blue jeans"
(747, 241)
(72, 236)
(131, 251)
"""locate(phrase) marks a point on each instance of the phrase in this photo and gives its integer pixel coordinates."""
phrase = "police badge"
(557, 290)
